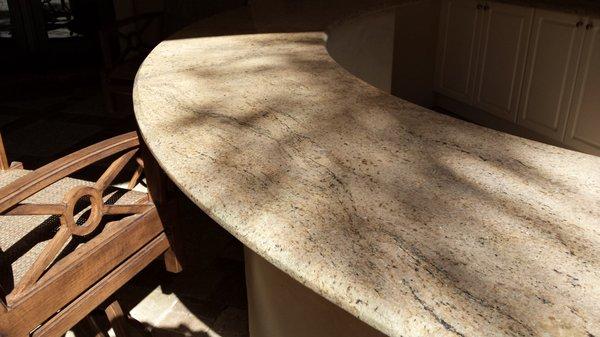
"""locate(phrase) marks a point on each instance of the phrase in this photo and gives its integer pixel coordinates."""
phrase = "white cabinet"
(505, 33)
(537, 68)
(583, 127)
(482, 50)
(552, 61)
(457, 49)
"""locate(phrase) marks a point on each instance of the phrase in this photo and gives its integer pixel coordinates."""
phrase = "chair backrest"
(34, 298)
(130, 38)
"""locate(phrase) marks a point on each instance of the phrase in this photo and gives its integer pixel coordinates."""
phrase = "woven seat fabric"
(23, 238)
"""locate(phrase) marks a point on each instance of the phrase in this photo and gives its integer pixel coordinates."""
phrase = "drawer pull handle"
(589, 26)
(579, 24)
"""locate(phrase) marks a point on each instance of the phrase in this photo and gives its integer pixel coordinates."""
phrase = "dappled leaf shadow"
(385, 208)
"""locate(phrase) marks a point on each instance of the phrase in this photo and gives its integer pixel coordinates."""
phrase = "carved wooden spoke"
(43, 261)
(113, 170)
(137, 174)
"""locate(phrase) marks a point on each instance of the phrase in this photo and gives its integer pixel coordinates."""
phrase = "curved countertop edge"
(351, 307)
(383, 323)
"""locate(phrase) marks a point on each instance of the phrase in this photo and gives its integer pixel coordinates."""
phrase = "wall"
(278, 305)
(415, 41)
(365, 47)
(177, 13)
(393, 50)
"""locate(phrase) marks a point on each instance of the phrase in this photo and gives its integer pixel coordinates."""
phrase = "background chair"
(125, 44)
(67, 244)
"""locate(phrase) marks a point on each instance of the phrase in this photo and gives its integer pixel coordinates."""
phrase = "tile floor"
(207, 299)
(43, 118)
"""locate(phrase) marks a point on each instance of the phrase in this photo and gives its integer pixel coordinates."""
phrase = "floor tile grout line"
(164, 315)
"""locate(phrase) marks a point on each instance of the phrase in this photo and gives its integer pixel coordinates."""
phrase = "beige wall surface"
(394, 50)
(365, 47)
(280, 306)
(415, 41)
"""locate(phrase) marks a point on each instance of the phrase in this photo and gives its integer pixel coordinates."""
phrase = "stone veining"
(417, 223)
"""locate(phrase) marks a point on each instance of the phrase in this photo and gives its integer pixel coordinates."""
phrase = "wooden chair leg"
(174, 255)
(117, 319)
(3, 158)
(88, 327)
(172, 262)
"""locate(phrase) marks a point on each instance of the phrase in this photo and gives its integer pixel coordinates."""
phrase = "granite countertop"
(417, 223)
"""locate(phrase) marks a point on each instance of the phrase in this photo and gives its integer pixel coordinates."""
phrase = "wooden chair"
(67, 244)
(125, 44)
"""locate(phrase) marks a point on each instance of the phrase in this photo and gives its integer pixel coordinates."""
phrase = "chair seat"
(23, 237)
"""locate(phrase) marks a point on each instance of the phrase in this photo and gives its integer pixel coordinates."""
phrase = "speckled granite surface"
(417, 223)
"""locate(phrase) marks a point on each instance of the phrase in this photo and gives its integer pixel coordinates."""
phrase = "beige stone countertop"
(417, 223)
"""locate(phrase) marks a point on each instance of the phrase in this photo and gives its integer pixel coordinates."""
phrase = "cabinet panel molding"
(457, 49)
(551, 67)
(583, 127)
(505, 32)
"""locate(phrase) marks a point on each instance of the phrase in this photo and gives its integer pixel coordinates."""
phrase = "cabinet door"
(504, 38)
(583, 127)
(457, 49)
(550, 72)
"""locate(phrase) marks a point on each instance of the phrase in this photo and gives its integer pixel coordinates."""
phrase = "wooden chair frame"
(4, 165)
(54, 295)
(117, 46)
(134, 41)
